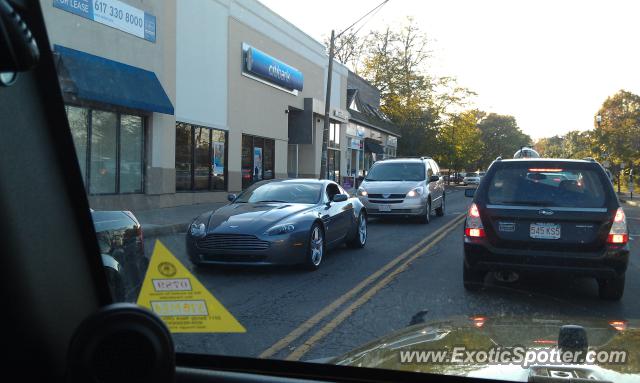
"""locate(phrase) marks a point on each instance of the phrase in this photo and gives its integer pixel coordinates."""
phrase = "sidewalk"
(625, 197)
(171, 220)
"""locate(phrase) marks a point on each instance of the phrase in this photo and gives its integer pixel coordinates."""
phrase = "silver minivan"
(404, 187)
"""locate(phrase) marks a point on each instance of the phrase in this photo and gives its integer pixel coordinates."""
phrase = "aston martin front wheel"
(315, 248)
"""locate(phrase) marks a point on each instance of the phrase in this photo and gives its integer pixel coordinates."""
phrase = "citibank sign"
(259, 64)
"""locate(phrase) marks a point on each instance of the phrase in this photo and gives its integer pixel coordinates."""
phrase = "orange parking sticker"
(183, 303)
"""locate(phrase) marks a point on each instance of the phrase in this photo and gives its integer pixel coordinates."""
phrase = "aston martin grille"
(233, 242)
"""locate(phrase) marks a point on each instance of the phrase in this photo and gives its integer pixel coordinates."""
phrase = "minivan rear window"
(397, 171)
(547, 186)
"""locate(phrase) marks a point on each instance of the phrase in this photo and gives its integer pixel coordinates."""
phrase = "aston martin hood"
(252, 217)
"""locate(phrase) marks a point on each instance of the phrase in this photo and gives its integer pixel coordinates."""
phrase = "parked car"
(473, 178)
(404, 187)
(122, 249)
(292, 221)
(547, 216)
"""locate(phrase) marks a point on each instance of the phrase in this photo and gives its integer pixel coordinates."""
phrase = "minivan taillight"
(618, 235)
(473, 226)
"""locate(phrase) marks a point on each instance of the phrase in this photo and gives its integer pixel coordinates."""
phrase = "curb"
(632, 203)
(153, 230)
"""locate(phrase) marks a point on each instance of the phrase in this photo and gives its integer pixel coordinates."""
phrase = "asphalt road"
(359, 295)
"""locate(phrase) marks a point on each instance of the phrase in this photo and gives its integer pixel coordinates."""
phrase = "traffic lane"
(270, 302)
(433, 284)
(633, 224)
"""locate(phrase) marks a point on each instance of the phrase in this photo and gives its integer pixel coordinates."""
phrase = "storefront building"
(194, 99)
(257, 83)
(117, 76)
(370, 135)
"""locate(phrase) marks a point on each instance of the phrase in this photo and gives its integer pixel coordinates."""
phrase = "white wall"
(202, 62)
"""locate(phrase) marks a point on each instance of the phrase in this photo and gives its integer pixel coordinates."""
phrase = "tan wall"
(88, 36)
(259, 109)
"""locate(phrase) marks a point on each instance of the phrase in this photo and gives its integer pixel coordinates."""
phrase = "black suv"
(546, 215)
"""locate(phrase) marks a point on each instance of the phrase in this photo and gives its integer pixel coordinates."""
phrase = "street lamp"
(327, 98)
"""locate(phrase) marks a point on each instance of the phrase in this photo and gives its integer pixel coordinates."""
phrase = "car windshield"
(215, 135)
(396, 171)
(289, 192)
(528, 184)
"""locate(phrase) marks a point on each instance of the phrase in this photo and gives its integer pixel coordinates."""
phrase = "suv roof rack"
(590, 159)
(499, 158)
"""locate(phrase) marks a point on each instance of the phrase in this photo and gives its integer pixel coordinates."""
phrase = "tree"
(501, 137)
(617, 137)
(348, 49)
(394, 61)
(461, 141)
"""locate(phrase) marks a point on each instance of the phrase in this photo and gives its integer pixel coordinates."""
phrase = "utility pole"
(327, 111)
(327, 98)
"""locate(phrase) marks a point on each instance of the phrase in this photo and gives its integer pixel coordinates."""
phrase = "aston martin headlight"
(281, 229)
(197, 230)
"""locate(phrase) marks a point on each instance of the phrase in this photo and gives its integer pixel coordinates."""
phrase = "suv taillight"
(473, 226)
(618, 235)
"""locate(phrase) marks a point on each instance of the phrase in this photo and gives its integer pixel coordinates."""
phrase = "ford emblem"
(545, 212)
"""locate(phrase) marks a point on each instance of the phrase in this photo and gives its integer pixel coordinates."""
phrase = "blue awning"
(98, 79)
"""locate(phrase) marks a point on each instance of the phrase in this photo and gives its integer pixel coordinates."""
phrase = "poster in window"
(218, 158)
(257, 163)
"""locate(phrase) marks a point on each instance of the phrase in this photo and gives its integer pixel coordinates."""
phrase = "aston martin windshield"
(291, 192)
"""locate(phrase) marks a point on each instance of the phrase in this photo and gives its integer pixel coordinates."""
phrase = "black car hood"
(508, 332)
(252, 218)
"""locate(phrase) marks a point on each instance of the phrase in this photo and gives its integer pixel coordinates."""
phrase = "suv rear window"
(397, 171)
(543, 185)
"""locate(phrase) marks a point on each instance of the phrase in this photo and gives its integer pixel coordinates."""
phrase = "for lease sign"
(115, 14)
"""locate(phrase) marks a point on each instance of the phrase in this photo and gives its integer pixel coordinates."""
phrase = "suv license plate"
(384, 208)
(544, 231)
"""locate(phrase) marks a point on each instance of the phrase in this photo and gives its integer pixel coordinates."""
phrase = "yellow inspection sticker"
(180, 300)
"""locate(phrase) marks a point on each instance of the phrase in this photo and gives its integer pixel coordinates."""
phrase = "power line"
(360, 19)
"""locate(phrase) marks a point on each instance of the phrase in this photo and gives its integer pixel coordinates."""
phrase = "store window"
(200, 158)
(110, 149)
(333, 165)
(389, 152)
(258, 159)
(334, 136)
(333, 154)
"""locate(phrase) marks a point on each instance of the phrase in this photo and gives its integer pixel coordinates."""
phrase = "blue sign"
(113, 13)
(262, 65)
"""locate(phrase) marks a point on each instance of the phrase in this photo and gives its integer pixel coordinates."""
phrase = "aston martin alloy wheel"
(315, 250)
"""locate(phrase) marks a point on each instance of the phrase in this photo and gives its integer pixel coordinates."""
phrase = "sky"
(550, 64)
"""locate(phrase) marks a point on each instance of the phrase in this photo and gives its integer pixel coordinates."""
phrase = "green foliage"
(617, 137)
(501, 137)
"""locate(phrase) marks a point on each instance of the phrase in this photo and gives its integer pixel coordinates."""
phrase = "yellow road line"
(329, 327)
(327, 310)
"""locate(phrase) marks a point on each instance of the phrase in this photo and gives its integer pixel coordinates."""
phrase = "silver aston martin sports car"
(290, 221)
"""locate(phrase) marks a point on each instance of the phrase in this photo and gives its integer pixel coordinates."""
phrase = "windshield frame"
(258, 185)
(395, 163)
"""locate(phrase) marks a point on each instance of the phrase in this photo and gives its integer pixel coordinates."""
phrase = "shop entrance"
(257, 159)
